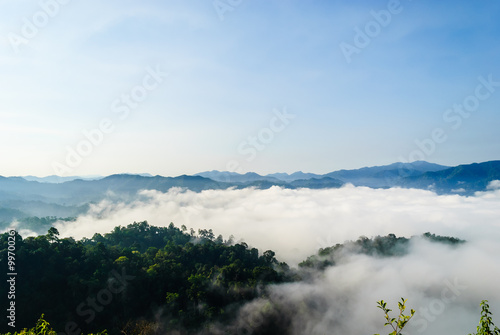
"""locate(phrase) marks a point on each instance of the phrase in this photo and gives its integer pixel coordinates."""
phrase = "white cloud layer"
(444, 285)
(295, 223)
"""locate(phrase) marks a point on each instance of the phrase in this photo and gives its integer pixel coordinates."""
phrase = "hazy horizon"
(241, 172)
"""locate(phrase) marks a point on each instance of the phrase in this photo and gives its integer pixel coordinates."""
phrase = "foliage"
(42, 327)
(397, 324)
(142, 279)
(486, 326)
(170, 274)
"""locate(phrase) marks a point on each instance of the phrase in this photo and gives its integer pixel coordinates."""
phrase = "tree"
(269, 256)
(399, 323)
(52, 235)
(486, 326)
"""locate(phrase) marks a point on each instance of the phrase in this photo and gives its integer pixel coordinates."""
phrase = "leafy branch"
(397, 324)
(486, 326)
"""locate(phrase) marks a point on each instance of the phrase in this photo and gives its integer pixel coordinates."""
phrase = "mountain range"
(23, 197)
(376, 176)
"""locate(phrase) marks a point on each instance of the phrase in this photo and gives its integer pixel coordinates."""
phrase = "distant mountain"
(21, 198)
(233, 177)
(294, 176)
(386, 175)
(131, 184)
(219, 175)
(376, 176)
(57, 179)
(317, 183)
(462, 179)
(9, 214)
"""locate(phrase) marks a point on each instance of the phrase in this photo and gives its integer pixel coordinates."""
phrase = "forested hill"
(143, 277)
(133, 273)
(462, 179)
(380, 246)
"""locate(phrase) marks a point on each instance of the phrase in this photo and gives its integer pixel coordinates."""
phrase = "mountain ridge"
(470, 178)
(357, 177)
(20, 198)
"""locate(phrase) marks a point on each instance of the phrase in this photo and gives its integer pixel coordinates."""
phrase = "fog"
(443, 284)
(295, 223)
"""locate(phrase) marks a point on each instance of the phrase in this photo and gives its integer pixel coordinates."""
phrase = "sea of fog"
(443, 284)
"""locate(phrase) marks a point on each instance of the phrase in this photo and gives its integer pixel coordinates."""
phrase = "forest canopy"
(163, 278)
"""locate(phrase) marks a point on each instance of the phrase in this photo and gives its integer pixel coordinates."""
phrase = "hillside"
(164, 278)
(462, 179)
(21, 199)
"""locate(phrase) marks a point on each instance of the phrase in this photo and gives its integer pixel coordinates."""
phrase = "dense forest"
(141, 277)
(138, 272)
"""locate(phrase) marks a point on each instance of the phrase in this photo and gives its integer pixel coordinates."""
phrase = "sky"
(180, 87)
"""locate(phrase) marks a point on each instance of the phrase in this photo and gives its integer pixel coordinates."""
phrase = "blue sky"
(233, 66)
